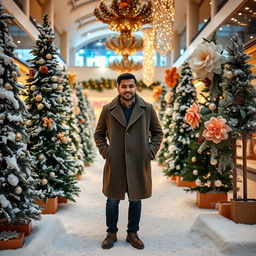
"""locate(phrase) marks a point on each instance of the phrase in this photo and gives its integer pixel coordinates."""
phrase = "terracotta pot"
(62, 200)
(243, 211)
(26, 228)
(12, 243)
(78, 176)
(173, 178)
(181, 183)
(224, 209)
(50, 207)
(209, 199)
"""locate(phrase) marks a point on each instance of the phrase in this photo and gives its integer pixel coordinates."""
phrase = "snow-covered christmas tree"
(85, 129)
(180, 134)
(72, 126)
(162, 102)
(48, 132)
(18, 179)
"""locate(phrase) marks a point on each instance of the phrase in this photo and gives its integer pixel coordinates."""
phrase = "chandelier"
(124, 44)
(163, 19)
(125, 65)
(124, 15)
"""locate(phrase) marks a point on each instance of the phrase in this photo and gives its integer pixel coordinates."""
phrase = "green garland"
(111, 83)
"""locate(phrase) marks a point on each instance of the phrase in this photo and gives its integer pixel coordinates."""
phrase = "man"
(128, 136)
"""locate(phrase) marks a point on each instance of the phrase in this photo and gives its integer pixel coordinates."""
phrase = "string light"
(163, 19)
(148, 56)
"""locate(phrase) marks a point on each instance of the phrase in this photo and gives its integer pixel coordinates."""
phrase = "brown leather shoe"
(134, 240)
(109, 241)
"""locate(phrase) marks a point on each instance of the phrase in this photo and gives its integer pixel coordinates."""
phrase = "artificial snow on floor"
(167, 218)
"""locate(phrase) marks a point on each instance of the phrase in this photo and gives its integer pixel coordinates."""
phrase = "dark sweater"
(127, 110)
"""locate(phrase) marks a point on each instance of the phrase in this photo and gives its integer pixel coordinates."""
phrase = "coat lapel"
(137, 111)
(117, 111)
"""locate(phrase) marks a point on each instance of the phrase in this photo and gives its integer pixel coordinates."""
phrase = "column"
(26, 7)
(192, 21)
(214, 7)
(72, 56)
(48, 8)
(64, 46)
(176, 47)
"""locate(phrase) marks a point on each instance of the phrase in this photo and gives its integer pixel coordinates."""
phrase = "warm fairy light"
(148, 56)
(124, 15)
(163, 19)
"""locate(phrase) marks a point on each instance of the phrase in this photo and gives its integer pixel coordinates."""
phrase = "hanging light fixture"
(163, 20)
(148, 56)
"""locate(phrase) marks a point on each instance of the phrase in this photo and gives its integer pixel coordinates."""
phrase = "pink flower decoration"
(216, 129)
(193, 116)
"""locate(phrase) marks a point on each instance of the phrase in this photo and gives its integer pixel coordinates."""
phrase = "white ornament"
(183, 94)
(44, 181)
(212, 106)
(193, 159)
(177, 167)
(40, 106)
(218, 183)
(48, 56)
(13, 180)
(181, 130)
(54, 86)
(172, 166)
(168, 111)
(18, 190)
(18, 136)
(14, 74)
(41, 61)
(198, 182)
(195, 172)
(53, 139)
(194, 94)
(52, 174)
(214, 161)
(231, 176)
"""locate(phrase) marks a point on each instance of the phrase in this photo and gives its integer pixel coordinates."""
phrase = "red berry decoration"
(31, 72)
(43, 69)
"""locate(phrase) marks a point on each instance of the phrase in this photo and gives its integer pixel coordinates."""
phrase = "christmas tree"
(162, 102)
(84, 125)
(72, 127)
(209, 162)
(239, 98)
(18, 179)
(48, 133)
(180, 134)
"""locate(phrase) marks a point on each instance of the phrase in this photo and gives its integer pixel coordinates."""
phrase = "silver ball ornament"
(52, 174)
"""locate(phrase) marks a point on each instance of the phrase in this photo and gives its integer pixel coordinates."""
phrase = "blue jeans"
(112, 213)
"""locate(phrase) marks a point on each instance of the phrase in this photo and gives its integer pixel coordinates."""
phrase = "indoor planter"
(50, 206)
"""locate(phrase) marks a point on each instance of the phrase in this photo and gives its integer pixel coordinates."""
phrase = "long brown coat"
(129, 148)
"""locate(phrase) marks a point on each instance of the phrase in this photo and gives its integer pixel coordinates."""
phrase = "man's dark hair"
(125, 76)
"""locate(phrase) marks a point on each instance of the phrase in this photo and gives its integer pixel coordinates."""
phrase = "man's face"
(127, 89)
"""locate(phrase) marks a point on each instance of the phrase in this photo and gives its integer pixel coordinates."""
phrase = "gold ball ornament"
(193, 159)
(59, 100)
(40, 106)
(41, 61)
(218, 183)
(18, 190)
(41, 157)
(183, 94)
(231, 176)
(38, 97)
(54, 78)
(181, 130)
(8, 86)
(214, 162)
(59, 87)
(29, 123)
(48, 56)
(229, 74)
(212, 106)
(29, 106)
(14, 74)
(184, 125)
(33, 88)
(194, 93)
(44, 181)
(18, 136)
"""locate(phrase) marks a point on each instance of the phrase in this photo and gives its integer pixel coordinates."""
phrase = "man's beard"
(127, 99)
